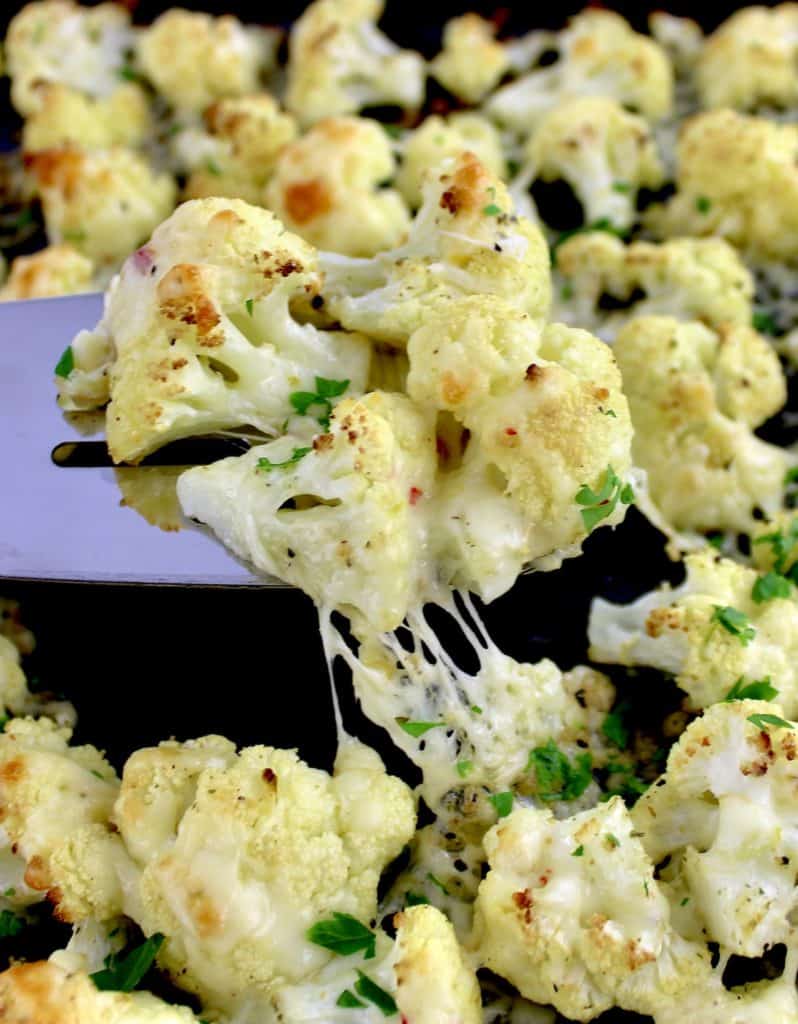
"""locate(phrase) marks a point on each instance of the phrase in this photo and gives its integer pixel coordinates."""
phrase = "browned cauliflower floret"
(471, 61)
(65, 117)
(54, 270)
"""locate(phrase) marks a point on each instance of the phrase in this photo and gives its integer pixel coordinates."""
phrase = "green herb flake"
(122, 974)
(74, 235)
(437, 883)
(735, 622)
(343, 934)
(492, 210)
(557, 777)
(415, 899)
(703, 204)
(567, 291)
(611, 412)
(97, 775)
(476, 709)
(464, 768)
(11, 924)
(66, 364)
(579, 851)
(763, 721)
(10, 892)
(782, 543)
(614, 841)
(599, 505)
(250, 306)
(128, 74)
(322, 397)
(770, 586)
(685, 901)
(372, 993)
(417, 729)
(716, 540)
(213, 168)
(296, 455)
(349, 1001)
(622, 187)
(393, 131)
(502, 803)
(614, 728)
(765, 323)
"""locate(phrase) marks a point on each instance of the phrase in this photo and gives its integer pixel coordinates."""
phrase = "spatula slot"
(191, 451)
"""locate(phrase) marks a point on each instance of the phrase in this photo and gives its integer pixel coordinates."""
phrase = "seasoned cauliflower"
(709, 632)
(604, 153)
(16, 698)
(571, 914)
(201, 334)
(751, 60)
(51, 795)
(437, 138)
(471, 61)
(68, 117)
(695, 396)
(63, 42)
(681, 38)
(344, 519)
(464, 240)
(193, 59)
(327, 186)
(686, 278)
(54, 270)
(737, 178)
(340, 62)
(236, 154)
(104, 202)
(48, 994)
(600, 55)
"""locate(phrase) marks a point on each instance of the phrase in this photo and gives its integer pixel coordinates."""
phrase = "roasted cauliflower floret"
(66, 116)
(437, 138)
(343, 519)
(695, 396)
(54, 270)
(545, 416)
(46, 993)
(604, 153)
(50, 795)
(751, 60)
(63, 42)
(464, 240)
(738, 178)
(340, 62)
(236, 154)
(471, 61)
(709, 632)
(600, 55)
(201, 334)
(105, 202)
(327, 187)
(686, 278)
(725, 811)
(193, 59)
(681, 38)
(570, 913)
(15, 697)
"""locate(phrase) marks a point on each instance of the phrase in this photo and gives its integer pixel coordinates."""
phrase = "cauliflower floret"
(327, 187)
(471, 61)
(203, 337)
(774, 544)
(681, 38)
(193, 59)
(709, 632)
(695, 396)
(600, 55)
(236, 155)
(16, 698)
(65, 116)
(604, 153)
(738, 178)
(63, 42)
(105, 202)
(725, 810)
(570, 913)
(46, 993)
(751, 60)
(13, 628)
(54, 270)
(686, 278)
(50, 792)
(437, 138)
(464, 240)
(343, 520)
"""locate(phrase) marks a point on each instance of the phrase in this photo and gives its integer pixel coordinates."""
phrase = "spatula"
(65, 522)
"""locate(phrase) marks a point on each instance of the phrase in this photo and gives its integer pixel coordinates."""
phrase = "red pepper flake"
(143, 259)
(415, 494)
(442, 448)
(510, 431)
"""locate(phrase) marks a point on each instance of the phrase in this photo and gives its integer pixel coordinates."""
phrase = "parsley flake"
(464, 768)
(735, 622)
(128, 74)
(343, 934)
(349, 1000)
(782, 543)
(296, 455)
(11, 924)
(765, 323)
(415, 899)
(760, 689)
(122, 975)
(703, 204)
(567, 291)
(622, 187)
(611, 412)
(613, 840)
(476, 709)
(685, 901)
(417, 729)
(770, 586)
(371, 991)
(322, 397)
(614, 728)
(393, 131)
(502, 803)
(600, 505)
(763, 721)
(250, 306)
(66, 364)
(437, 883)
(579, 851)
(557, 777)
(213, 168)
(492, 210)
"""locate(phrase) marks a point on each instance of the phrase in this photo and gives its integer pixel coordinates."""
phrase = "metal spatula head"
(66, 522)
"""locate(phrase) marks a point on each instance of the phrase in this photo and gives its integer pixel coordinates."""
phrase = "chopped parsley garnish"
(437, 883)
(343, 934)
(128, 74)
(579, 851)
(97, 775)
(11, 891)
(476, 709)
(614, 727)
(763, 721)
(621, 186)
(372, 993)
(613, 840)
(464, 768)
(393, 131)
(770, 586)
(296, 455)
(417, 729)
(213, 168)
(415, 899)
(603, 224)
(492, 210)
(502, 803)
(250, 305)
(760, 689)
(735, 622)
(122, 974)
(685, 901)
(349, 1001)
(557, 777)
(599, 505)
(11, 924)
(24, 219)
(717, 540)
(567, 291)
(66, 364)
(703, 204)
(782, 542)
(609, 412)
(765, 323)
(322, 397)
